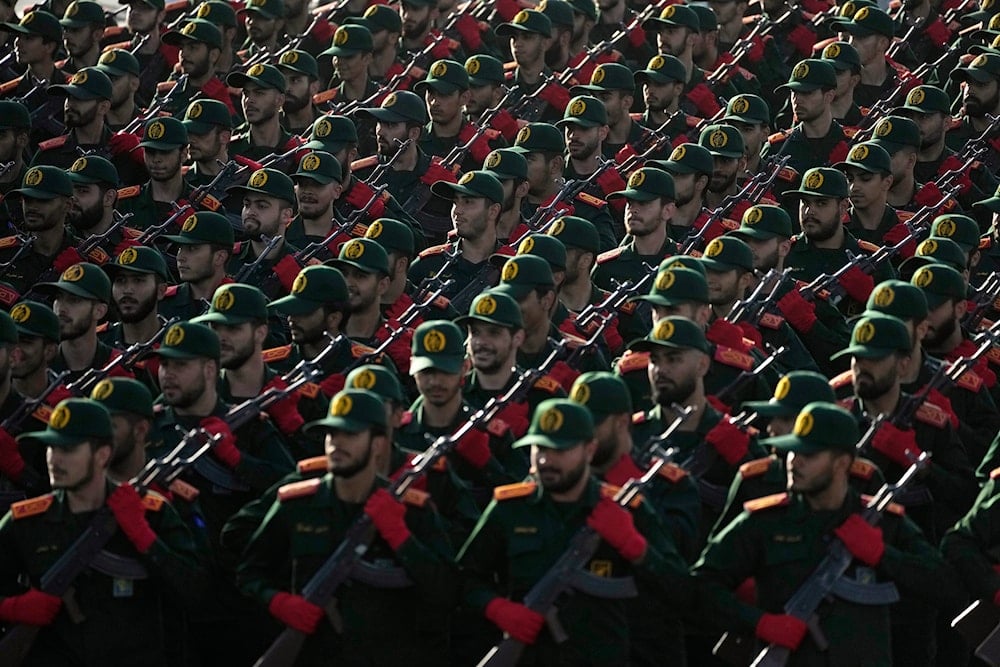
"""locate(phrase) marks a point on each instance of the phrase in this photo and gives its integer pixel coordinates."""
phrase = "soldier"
(309, 33)
(662, 87)
(613, 84)
(95, 192)
(145, 19)
(900, 137)
(582, 242)
(138, 282)
(871, 32)
(530, 36)
(980, 100)
(725, 143)
(847, 62)
(317, 188)
(560, 15)
(385, 25)
(36, 348)
(264, 23)
(83, 26)
(39, 37)
(486, 90)
(608, 19)
(352, 55)
(200, 45)
(751, 115)
(397, 241)
(709, 55)
(301, 84)
(204, 246)
(123, 69)
(868, 168)
(209, 126)
(223, 17)
(131, 407)
(14, 129)
(510, 168)
(691, 167)
(262, 98)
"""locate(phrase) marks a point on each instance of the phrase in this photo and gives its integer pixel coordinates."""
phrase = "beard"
(603, 453)
(814, 487)
(239, 357)
(86, 218)
(869, 388)
(75, 118)
(978, 109)
(939, 335)
(672, 392)
(348, 470)
(561, 482)
(141, 311)
(295, 104)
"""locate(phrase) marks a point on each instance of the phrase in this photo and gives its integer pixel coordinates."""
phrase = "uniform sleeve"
(175, 557)
(265, 461)
(662, 566)
(970, 546)
(428, 557)
(911, 562)
(481, 560)
(267, 550)
(951, 479)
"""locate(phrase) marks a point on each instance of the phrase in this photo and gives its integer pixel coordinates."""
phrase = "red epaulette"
(993, 356)
(170, 291)
(985, 243)
(639, 417)
(734, 358)
(633, 361)
(868, 246)
(99, 256)
(152, 501)
(434, 250)
(590, 199)
(130, 191)
(131, 233)
(637, 117)
(9, 241)
(509, 491)
(363, 163)
(930, 414)
(610, 254)
(32, 506)
(54, 142)
(842, 380)
(276, 353)
(767, 502)
(778, 137)
(302, 489)
(546, 383)
(359, 350)
(610, 491)
(756, 468)
(672, 472)
(313, 464)
(10, 85)
(102, 327)
(183, 490)
(772, 321)
(970, 381)
(895, 508)
(406, 419)
(328, 96)
(863, 469)
(416, 497)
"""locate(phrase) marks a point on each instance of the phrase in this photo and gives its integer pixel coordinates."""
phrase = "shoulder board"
(303, 489)
(730, 357)
(55, 142)
(497, 427)
(639, 417)
(9, 241)
(99, 256)
(610, 254)
(850, 131)
(170, 291)
(547, 383)
(153, 502)
(407, 418)
(863, 469)
(842, 380)
(519, 490)
(103, 327)
(434, 250)
(627, 308)
(130, 191)
(767, 502)
(364, 163)
(183, 490)
(846, 403)
(31, 506)
(314, 464)
(359, 350)
(995, 473)
(672, 472)
(637, 117)
(772, 321)
(596, 202)
(930, 414)
(42, 413)
(778, 137)
(895, 508)
(10, 85)
(756, 468)
(985, 243)
(309, 390)
(610, 491)
(994, 355)
(276, 353)
(416, 497)
(970, 381)
(868, 246)
(131, 233)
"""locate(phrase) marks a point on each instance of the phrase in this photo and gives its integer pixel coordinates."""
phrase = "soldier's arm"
(951, 479)
(256, 574)
(264, 459)
(174, 556)
(678, 506)
(239, 528)
(970, 546)
(481, 560)
(911, 562)
(428, 556)
(662, 565)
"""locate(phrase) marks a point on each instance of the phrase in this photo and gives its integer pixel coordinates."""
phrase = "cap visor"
(506, 29)
(338, 423)
(792, 443)
(194, 127)
(294, 305)
(76, 92)
(112, 71)
(516, 292)
(340, 51)
(717, 266)
(385, 115)
(322, 179)
(978, 75)
(543, 441)
(52, 438)
(221, 318)
(183, 240)
(863, 352)
(15, 27)
(993, 204)
(659, 300)
(891, 147)
(465, 319)
(328, 146)
(638, 195)
(442, 363)
(75, 290)
(77, 177)
(753, 233)
(442, 87)
(337, 262)
(799, 85)
(158, 145)
(35, 193)
(770, 409)
(646, 345)
(580, 122)
(173, 353)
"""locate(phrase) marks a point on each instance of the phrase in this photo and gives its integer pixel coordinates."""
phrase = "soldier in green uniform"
(979, 101)
(95, 192)
(209, 126)
(262, 135)
(531, 32)
(37, 345)
(613, 84)
(204, 246)
(751, 115)
(200, 44)
(662, 85)
(39, 37)
(318, 185)
(302, 83)
(691, 166)
(14, 130)
(868, 168)
(970, 546)
(352, 48)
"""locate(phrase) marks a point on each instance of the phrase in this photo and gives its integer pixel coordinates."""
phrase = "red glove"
(474, 447)
(125, 245)
(58, 394)
(562, 373)
(285, 412)
(857, 284)
(296, 612)
(505, 124)
(126, 505)
(122, 142)
(332, 384)
(928, 195)
(31, 608)
(610, 181)
(938, 33)
(941, 401)
(637, 37)
(862, 539)
(516, 417)
(468, 28)
(11, 462)
(731, 443)
(726, 334)
(952, 163)
(781, 629)
(287, 270)
(215, 89)
(66, 259)
(225, 447)
(802, 38)
(435, 172)
(556, 96)
(839, 153)
(896, 444)
(801, 314)
(615, 526)
(515, 619)
(507, 9)
(323, 31)
(704, 100)
(756, 52)
(626, 152)
(749, 332)
(359, 196)
(387, 514)
(717, 404)
(897, 233)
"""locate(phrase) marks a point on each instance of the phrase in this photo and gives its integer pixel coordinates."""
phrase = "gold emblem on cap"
(439, 69)
(300, 283)
(256, 70)
(664, 330)
(79, 78)
(310, 162)
(259, 179)
(803, 424)
(831, 51)
(859, 152)
(557, 227)
(493, 159)
(551, 420)
(340, 37)
(472, 67)
(928, 247)
(289, 58)
(753, 215)
(678, 154)
(371, 11)
(995, 23)
(740, 105)
(668, 12)
(33, 177)
(923, 277)
(156, 130)
(718, 139)
(60, 417)
(784, 386)
(801, 71)
(814, 181)
(374, 230)
(466, 178)
(194, 111)
(884, 296)
(128, 256)
(637, 179)
(224, 300)
(103, 389)
(434, 341)
(946, 228)
(598, 75)
(108, 57)
(188, 29)
(190, 224)
(257, 3)
(526, 246)
(577, 108)
(79, 165)
(657, 63)
(341, 406)
(389, 101)
(73, 9)
(883, 128)
(509, 272)
(486, 305)
(862, 14)
(664, 280)
(522, 135)
(20, 313)
(916, 96)
(322, 128)
(864, 332)
(203, 10)
(364, 380)
(521, 17)
(174, 337)
(714, 248)
(580, 393)
(72, 274)
(354, 249)
(28, 18)
(980, 60)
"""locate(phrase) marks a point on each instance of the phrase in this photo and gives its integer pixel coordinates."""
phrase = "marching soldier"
(38, 38)
(200, 45)
(123, 69)
(530, 37)
(751, 115)
(209, 126)
(263, 95)
(317, 188)
(83, 25)
(203, 246)
(869, 173)
(301, 71)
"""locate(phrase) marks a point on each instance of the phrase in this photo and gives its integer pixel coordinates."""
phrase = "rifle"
(985, 295)
(24, 245)
(732, 390)
(5, 167)
(622, 292)
(172, 95)
(247, 269)
(129, 357)
(568, 573)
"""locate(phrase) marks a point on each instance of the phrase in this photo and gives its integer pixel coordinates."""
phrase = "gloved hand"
(516, 416)
(507, 9)
(756, 52)
(938, 33)
(126, 505)
(66, 259)
(58, 394)
(287, 270)
(802, 38)
(359, 197)
(31, 608)
(564, 374)
(387, 514)
(928, 195)
(897, 233)
(727, 439)
(726, 334)
(895, 443)
(615, 526)
(637, 37)
(624, 153)
(285, 412)
(781, 629)
(332, 384)
(556, 96)
(123, 142)
(468, 28)
(474, 447)
(718, 404)
(857, 284)
(704, 100)
(11, 462)
(436, 172)
(225, 447)
(125, 245)
(751, 333)
(506, 125)
(515, 619)
(941, 401)
(801, 314)
(296, 612)
(862, 539)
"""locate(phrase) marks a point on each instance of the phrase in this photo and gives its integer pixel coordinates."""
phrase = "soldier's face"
(528, 48)
(205, 146)
(29, 49)
(673, 374)
(583, 143)
(753, 135)
(261, 215)
(124, 436)
(867, 189)
(874, 377)
(309, 328)
(480, 99)
(724, 175)
(808, 105)
(79, 113)
(261, 104)
(8, 144)
(87, 208)
(981, 98)
(688, 310)
(194, 58)
(723, 286)
(931, 127)
(672, 40)
(614, 103)
(765, 253)
(315, 198)
(348, 454)
(558, 470)
(389, 135)
(43, 214)
(535, 310)
(237, 343)
(416, 20)
(780, 426)
(184, 381)
(351, 68)
(659, 96)
(819, 217)
(141, 18)
(643, 218)
(79, 41)
(194, 262)
(943, 322)
(363, 288)
(470, 216)
(163, 165)
(539, 173)
(867, 47)
(122, 89)
(298, 91)
(437, 387)
(259, 27)
(29, 356)
(443, 107)
(492, 348)
(73, 468)
(811, 474)
(135, 295)
(77, 315)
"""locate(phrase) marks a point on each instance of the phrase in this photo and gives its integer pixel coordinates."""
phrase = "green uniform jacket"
(973, 545)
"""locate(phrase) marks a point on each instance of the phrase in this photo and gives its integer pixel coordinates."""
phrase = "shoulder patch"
(9, 241)
(772, 321)
(276, 353)
(632, 362)
(309, 390)
(153, 502)
(359, 350)
(434, 250)
(767, 502)
(730, 357)
(302, 489)
(55, 142)
(639, 418)
(928, 413)
(756, 468)
(610, 491)
(130, 191)
(183, 490)
(10, 85)
(171, 291)
(895, 508)
(31, 506)
(863, 469)
(497, 427)
(547, 383)
(971, 381)
(672, 472)
(590, 199)
(519, 490)
(364, 163)
(406, 419)
(314, 464)
(416, 497)
(610, 254)
(868, 247)
(842, 380)
(778, 137)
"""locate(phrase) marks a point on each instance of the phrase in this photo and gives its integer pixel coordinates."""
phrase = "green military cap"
(352, 410)
(869, 157)
(586, 7)
(993, 35)
(560, 12)
(217, 13)
(899, 299)
(13, 114)
(437, 344)
(547, 247)
(673, 332)
(202, 115)
(823, 182)
(444, 76)
(377, 18)
(72, 422)
(89, 83)
(662, 68)
(495, 308)
(33, 318)
(558, 423)
(895, 132)
(8, 328)
(683, 262)
(299, 61)
(521, 274)
(118, 62)
(45, 183)
(674, 15)
(602, 393)
(819, 427)
(961, 229)
(472, 184)
(401, 106)
(349, 40)
(991, 203)
(722, 141)
(935, 251)
(686, 158)
(164, 134)
(647, 184)
(584, 111)
(539, 137)
(270, 182)
(261, 75)
(876, 336)
(576, 232)
(763, 222)
(506, 164)
(84, 280)
(984, 68)
(939, 283)
(987, 12)
(608, 76)
(484, 70)
(119, 395)
(332, 133)
(188, 340)
(811, 74)
(726, 253)
(39, 23)
(156, 4)
(272, 9)
(138, 259)
(204, 227)
(195, 30)
(843, 56)
(314, 287)
(81, 13)
(707, 21)
(363, 254)
(393, 235)
(869, 21)
(93, 169)
(675, 286)
(747, 108)
(234, 304)
(926, 99)
(526, 20)
(376, 379)
(793, 392)
(319, 166)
